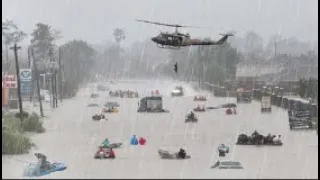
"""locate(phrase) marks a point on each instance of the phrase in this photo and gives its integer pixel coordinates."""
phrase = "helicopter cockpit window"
(170, 38)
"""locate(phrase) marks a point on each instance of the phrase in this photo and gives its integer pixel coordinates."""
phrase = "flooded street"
(72, 138)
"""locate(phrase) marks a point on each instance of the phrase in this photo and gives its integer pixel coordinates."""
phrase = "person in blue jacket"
(106, 143)
(134, 140)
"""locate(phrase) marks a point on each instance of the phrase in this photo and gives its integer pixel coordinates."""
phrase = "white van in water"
(45, 95)
(266, 104)
(227, 165)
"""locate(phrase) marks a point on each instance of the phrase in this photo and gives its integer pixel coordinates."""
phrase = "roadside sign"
(9, 82)
(25, 75)
(26, 87)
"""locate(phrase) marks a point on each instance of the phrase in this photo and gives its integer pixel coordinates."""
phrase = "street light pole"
(15, 49)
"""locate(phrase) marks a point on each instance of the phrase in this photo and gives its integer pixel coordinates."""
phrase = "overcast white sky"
(94, 20)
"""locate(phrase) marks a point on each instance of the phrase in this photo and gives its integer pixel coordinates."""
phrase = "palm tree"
(119, 35)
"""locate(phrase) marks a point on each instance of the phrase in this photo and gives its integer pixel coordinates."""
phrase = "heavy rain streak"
(160, 89)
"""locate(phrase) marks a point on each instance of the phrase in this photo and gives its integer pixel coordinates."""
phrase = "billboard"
(9, 82)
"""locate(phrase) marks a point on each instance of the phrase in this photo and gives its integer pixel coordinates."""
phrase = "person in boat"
(198, 107)
(223, 148)
(195, 98)
(255, 133)
(234, 111)
(42, 160)
(112, 108)
(182, 153)
(134, 140)
(142, 141)
(277, 139)
(110, 153)
(203, 108)
(228, 111)
(191, 115)
(100, 150)
(106, 143)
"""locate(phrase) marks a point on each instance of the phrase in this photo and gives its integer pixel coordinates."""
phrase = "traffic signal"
(176, 67)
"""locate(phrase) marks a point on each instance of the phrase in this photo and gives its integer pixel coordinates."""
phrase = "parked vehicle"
(266, 105)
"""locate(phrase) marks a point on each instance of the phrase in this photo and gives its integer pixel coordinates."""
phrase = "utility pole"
(15, 49)
(32, 84)
(37, 80)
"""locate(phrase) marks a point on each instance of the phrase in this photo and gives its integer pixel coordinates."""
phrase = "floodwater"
(72, 138)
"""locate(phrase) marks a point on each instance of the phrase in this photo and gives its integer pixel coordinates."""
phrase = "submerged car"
(227, 165)
(200, 98)
(170, 155)
(110, 110)
(300, 119)
(266, 105)
(94, 95)
(101, 87)
(93, 105)
(151, 104)
(111, 104)
(244, 96)
(178, 91)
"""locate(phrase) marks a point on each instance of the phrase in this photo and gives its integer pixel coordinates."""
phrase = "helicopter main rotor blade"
(165, 24)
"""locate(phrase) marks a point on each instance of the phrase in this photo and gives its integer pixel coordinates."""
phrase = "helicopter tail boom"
(224, 38)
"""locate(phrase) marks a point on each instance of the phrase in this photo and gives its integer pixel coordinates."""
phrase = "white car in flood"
(178, 91)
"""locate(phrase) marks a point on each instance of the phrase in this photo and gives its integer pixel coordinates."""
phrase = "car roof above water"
(228, 165)
(153, 98)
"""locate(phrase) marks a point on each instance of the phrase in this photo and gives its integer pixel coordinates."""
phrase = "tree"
(308, 88)
(272, 47)
(253, 47)
(119, 35)
(11, 34)
(43, 39)
(78, 63)
(253, 43)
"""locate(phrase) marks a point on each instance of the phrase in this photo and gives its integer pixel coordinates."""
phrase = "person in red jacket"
(234, 111)
(111, 153)
(228, 111)
(142, 141)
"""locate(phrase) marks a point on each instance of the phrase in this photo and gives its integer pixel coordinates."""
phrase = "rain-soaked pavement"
(72, 137)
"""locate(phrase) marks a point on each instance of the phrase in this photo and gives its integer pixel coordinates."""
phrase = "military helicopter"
(177, 40)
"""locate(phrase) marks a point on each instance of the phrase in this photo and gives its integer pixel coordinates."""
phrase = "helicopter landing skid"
(169, 47)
